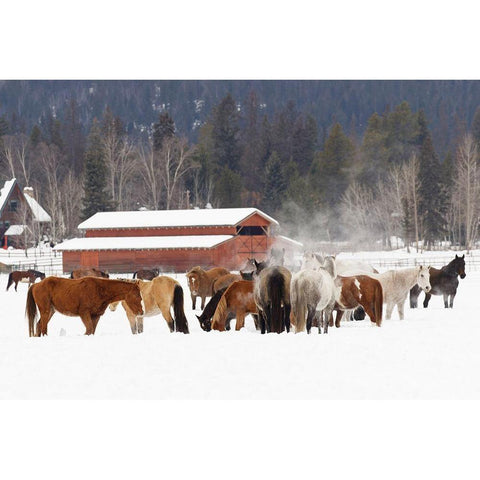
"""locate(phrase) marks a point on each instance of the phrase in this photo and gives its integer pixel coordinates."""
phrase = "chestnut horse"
(23, 276)
(86, 298)
(88, 272)
(159, 296)
(201, 281)
(359, 290)
(237, 299)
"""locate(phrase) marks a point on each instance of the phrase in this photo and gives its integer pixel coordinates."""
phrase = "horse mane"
(221, 312)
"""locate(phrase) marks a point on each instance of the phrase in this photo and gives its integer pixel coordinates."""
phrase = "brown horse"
(359, 290)
(159, 296)
(201, 281)
(225, 280)
(24, 276)
(237, 298)
(86, 298)
(88, 272)
(146, 274)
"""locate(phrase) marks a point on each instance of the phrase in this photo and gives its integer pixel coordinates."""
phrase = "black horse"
(146, 274)
(444, 282)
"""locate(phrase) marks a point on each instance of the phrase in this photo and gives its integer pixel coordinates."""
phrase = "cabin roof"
(209, 217)
(142, 243)
(39, 214)
(5, 192)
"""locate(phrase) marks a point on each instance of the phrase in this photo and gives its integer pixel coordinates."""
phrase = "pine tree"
(274, 184)
(476, 126)
(35, 136)
(96, 198)
(4, 127)
(225, 134)
(228, 188)
(164, 128)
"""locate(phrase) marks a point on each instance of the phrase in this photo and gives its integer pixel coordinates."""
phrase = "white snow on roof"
(5, 192)
(171, 218)
(142, 243)
(39, 214)
(298, 244)
(15, 230)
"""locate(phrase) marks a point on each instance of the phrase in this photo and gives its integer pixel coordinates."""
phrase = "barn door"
(89, 259)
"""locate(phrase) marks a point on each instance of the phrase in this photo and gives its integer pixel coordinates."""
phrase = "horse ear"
(463, 256)
(456, 256)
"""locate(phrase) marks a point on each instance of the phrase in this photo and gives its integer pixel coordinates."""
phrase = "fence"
(46, 260)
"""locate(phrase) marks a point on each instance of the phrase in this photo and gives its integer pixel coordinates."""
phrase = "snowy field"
(433, 354)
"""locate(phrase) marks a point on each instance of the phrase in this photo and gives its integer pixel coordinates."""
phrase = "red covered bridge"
(174, 240)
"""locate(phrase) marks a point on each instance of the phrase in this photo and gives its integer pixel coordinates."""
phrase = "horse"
(159, 296)
(24, 276)
(444, 282)
(146, 274)
(359, 290)
(237, 299)
(272, 296)
(86, 297)
(200, 282)
(224, 281)
(397, 283)
(277, 257)
(311, 291)
(88, 272)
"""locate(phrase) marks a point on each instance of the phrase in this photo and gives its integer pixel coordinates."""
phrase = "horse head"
(259, 266)
(205, 325)
(311, 261)
(193, 282)
(423, 278)
(247, 275)
(329, 266)
(460, 265)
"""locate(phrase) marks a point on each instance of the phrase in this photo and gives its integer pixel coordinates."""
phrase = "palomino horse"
(159, 296)
(271, 293)
(237, 299)
(23, 276)
(444, 282)
(146, 274)
(311, 291)
(359, 290)
(86, 298)
(201, 281)
(397, 283)
(88, 272)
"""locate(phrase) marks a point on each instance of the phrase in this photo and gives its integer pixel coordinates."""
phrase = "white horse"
(311, 291)
(397, 283)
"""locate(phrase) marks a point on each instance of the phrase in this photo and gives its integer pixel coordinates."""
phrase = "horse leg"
(400, 306)
(390, 306)
(255, 320)
(326, 322)
(168, 317)
(286, 316)
(203, 303)
(87, 321)
(140, 324)
(42, 324)
(445, 300)
(240, 323)
(452, 296)
(428, 296)
(194, 301)
(95, 320)
(337, 319)
(16, 284)
(263, 322)
(310, 315)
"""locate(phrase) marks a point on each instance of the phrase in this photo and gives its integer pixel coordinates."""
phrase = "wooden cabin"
(174, 240)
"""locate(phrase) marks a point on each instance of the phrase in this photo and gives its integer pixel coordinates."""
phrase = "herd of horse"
(277, 298)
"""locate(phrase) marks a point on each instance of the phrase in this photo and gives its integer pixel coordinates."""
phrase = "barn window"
(13, 205)
(253, 230)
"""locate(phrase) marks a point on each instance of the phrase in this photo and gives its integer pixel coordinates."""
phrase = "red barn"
(174, 240)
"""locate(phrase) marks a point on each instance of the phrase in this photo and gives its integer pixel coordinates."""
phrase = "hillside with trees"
(332, 160)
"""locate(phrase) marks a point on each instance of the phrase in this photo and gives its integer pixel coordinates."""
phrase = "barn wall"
(160, 232)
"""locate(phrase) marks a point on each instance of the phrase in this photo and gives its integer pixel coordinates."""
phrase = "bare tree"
(467, 188)
(151, 173)
(411, 184)
(176, 161)
(15, 156)
(71, 192)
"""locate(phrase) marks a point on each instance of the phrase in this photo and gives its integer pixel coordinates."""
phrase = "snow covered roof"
(39, 214)
(142, 243)
(290, 240)
(172, 218)
(5, 192)
(15, 230)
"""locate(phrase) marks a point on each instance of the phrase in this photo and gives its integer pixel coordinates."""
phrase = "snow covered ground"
(432, 354)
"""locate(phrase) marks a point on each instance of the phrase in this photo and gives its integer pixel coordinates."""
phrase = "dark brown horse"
(88, 272)
(359, 290)
(201, 282)
(23, 276)
(444, 281)
(146, 274)
(86, 298)
(272, 297)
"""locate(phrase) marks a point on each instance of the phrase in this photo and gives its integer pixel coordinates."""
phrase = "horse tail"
(31, 312)
(181, 324)
(134, 274)
(378, 303)
(71, 274)
(298, 307)
(220, 316)
(276, 291)
(10, 280)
